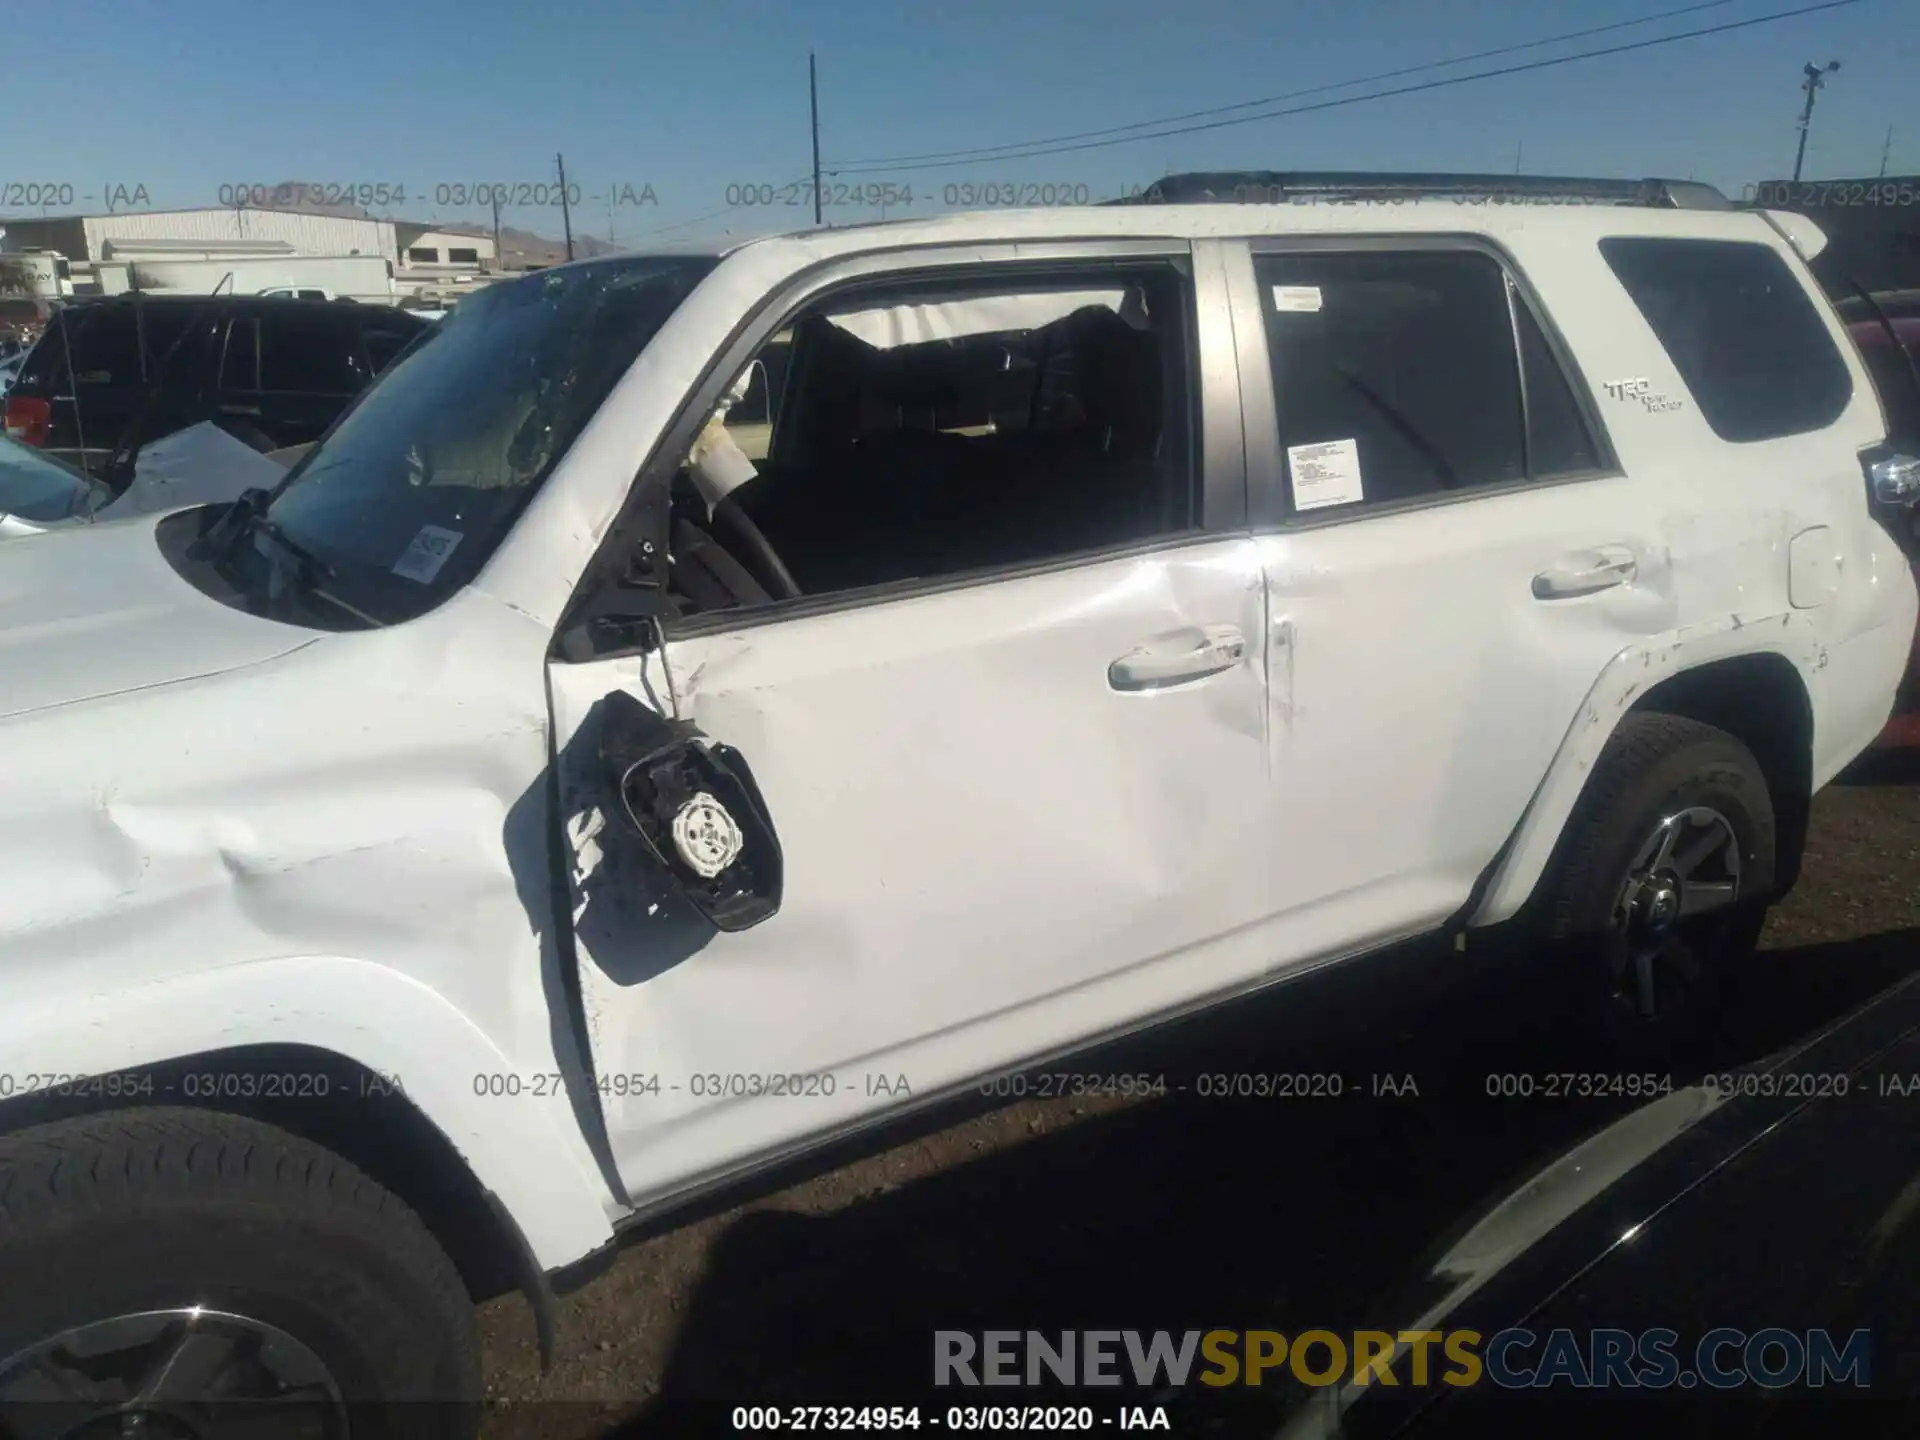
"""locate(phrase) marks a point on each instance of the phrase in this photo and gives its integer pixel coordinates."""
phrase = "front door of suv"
(1017, 803)
(1452, 557)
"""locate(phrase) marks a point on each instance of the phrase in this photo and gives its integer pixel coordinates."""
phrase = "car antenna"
(73, 384)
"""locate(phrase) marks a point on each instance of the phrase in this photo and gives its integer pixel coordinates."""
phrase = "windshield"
(34, 487)
(420, 481)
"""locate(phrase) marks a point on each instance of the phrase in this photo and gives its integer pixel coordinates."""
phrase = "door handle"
(239, 409)
(1586, 572)
(1191, 653)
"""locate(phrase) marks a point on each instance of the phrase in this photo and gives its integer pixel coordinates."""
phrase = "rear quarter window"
(105, 344)
(1740, 329)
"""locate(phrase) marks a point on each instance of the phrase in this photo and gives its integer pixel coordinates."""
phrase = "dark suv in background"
(112, 374)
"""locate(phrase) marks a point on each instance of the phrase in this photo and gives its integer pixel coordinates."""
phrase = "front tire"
(1659, 888)
(174, 1263)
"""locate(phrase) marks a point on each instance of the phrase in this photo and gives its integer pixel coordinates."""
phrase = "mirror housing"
(1893, 494)
(698, 810)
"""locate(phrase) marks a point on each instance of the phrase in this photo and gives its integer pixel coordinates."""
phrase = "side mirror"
(1893, 488)
(1895, 479)
(697, 808)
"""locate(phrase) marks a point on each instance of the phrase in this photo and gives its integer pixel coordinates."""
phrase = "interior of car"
(943, 429)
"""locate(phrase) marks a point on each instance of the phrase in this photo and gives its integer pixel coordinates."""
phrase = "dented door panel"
(984, 843)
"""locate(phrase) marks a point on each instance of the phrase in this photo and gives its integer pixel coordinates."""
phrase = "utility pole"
(566, 214)
(1518, 146)
(496, 227)
(1816, 77)
(1885, 151)
(813, 101)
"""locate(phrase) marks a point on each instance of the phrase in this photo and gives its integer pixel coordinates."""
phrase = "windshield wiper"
(247, 517)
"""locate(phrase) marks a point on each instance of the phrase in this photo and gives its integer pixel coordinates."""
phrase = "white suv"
(537, 813)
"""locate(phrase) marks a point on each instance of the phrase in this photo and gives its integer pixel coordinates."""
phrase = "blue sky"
(693, 98)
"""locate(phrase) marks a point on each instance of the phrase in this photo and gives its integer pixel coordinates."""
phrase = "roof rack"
(1278, 187)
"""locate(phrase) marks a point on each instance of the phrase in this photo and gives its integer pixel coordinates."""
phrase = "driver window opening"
(898, 434)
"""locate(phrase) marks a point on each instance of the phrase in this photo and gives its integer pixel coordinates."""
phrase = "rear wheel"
(1660, 887)
(186, 1275)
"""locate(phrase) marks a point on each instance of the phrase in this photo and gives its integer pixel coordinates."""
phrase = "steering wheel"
(738, 532)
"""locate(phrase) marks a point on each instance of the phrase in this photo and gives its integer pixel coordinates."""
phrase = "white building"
(126, 237)
(451, 249)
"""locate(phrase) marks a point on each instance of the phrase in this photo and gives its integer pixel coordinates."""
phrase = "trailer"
(308, 277)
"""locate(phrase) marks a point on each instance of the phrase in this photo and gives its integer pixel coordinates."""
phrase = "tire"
(156, 1210)
(1654, 767)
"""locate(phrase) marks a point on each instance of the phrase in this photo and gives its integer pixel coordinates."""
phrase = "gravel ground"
(1171, 1211)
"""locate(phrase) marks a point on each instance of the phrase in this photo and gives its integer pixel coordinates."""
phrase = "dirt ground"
(1169, 1211)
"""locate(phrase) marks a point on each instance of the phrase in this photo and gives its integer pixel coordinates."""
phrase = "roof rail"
(1278, 187)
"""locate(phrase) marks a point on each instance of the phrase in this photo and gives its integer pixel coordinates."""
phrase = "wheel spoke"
(1705, 897)
(1716, 840)
(189, 1367)
(1668, 833)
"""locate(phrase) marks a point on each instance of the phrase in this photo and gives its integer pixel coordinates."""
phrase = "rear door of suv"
(1453, 553)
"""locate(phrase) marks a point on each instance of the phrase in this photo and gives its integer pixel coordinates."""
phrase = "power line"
(986, 152)
(1440, 84)
(714, 214)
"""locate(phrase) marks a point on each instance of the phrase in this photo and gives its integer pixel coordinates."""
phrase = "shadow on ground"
(1183, 1212)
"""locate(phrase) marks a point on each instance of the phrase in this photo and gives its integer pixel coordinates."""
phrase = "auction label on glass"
(1325, 474)
(426, 553)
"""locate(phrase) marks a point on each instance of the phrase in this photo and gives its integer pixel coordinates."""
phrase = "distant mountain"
(517, 247)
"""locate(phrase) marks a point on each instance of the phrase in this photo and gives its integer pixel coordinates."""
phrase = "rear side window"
(304, 352)
(1395, 374)
(1741, 331)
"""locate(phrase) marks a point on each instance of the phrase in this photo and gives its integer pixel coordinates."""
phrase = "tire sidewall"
(404, 1361)
(1714, 772)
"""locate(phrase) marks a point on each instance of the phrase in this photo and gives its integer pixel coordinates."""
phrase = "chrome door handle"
(239, 409)
(1190, 653)
(1586, 572)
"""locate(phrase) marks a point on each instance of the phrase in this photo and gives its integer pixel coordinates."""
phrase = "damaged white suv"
(565, 794)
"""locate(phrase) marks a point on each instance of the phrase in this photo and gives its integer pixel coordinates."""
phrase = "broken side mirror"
(698, 810)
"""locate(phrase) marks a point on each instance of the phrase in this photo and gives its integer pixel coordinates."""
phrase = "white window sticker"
(1304, 298)
(1325, 474)
(426, 553)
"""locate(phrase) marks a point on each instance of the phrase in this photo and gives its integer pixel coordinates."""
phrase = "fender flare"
(1627, 678)
(525, 1150)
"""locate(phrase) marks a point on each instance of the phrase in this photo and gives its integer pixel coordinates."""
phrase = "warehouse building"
(125, 237)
